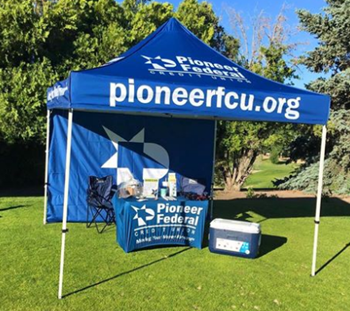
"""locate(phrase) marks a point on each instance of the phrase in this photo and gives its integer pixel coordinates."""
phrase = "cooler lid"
(235, 225)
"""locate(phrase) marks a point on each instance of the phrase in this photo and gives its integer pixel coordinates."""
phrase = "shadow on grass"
(100, 224)
(126, 272)
(273, 208)
(36, 191)
(245, 189)
(205, 242)
(12, 207)
(278, 208)
(270, 243)
(333, 258)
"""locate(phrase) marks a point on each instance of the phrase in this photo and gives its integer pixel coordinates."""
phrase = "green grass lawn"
(100, 276)
(266, 172)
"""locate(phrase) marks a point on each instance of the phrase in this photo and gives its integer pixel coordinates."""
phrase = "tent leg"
(318, 202)
(213, 175)
(46, 163)
(65, 200)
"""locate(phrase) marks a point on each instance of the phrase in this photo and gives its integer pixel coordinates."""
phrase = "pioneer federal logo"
(167, 214)
(166, 222)
(159, 63)
(187, 66)
(143, 214)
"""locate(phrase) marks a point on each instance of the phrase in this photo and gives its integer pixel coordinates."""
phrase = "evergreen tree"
(331, 28)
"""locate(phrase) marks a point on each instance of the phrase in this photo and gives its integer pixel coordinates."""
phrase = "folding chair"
(99, 195)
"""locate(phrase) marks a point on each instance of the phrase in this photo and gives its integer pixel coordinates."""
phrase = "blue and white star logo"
(152, 150)
(143, 214)
(159, 63)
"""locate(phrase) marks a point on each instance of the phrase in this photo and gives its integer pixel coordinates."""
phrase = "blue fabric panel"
(188, 144)
(173, 72)
(150, 223)
(58, 95)
(57, 158)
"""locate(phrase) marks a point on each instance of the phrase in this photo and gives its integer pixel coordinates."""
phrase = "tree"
(331, 28)
(21, 105)
(23, 81)
(41, 41)
(202, 21)
(239, 143)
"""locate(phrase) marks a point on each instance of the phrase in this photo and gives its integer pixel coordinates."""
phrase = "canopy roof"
(173, 72)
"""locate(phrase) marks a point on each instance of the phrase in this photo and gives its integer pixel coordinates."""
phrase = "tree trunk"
(236, 175)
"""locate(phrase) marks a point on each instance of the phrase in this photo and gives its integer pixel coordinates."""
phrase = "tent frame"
(48, 115)
(212, 176)
(319, 198)
(66, 192)
(65, 200)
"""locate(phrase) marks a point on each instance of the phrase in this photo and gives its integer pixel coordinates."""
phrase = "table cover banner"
(173, 72)
(159, 222)
(118, 145)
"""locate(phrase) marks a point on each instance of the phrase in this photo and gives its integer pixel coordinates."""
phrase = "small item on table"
(130, 188)
(194, 196)
(172, 185)
(191, 189)
(150, 188)
(165, 184)
(192, 186)
(163, 192)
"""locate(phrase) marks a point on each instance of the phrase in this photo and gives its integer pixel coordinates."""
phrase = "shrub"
(274, 155)
(250, 193)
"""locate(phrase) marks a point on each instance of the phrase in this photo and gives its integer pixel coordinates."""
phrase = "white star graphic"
(166, 62)
(155, 65)
(112, 162)
(152, 150)
(149, 211)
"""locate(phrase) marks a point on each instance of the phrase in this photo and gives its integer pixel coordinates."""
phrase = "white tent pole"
(65, 200)
(318, 201)
(46, 162)
(213, 175)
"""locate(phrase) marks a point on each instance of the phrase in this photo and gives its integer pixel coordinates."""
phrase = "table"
(144, 223)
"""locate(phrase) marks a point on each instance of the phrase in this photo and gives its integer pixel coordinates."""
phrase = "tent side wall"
(188, 144)
(56, 163)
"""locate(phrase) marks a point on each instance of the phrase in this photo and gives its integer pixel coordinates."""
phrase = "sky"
(271, 8)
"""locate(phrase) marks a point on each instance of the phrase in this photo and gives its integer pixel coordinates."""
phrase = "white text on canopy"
(218, 98)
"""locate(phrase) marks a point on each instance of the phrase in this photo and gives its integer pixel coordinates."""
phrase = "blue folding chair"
(99, 202)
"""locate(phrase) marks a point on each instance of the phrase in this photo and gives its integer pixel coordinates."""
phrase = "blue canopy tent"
(173, 74)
